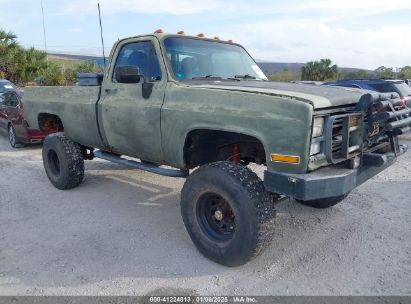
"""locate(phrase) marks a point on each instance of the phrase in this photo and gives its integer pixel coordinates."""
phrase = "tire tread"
(75, 160)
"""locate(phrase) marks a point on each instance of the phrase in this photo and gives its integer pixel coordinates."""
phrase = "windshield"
(194, 58)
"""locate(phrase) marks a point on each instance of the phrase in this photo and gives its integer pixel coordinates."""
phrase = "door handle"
(108, 91)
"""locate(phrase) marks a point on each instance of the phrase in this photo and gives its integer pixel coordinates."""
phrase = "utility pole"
(44, 27)
(101, 33)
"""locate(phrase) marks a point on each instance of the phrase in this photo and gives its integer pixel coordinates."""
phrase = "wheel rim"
(54, 162)
(12, 136)
(216, 217)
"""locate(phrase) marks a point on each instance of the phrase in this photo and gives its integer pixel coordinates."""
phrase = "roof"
(162, 35)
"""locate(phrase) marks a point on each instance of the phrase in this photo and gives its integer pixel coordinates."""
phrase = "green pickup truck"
(202, 109)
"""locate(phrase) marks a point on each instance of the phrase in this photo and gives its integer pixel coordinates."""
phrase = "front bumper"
(326, 182)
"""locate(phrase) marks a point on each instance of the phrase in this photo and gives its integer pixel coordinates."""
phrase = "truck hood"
(319, 96)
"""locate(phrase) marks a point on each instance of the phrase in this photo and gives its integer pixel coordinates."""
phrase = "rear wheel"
(13, 137)
(324, 202)
(227, 212)
(63, 161)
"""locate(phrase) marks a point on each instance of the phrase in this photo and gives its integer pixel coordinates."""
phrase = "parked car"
(12, 120)
(378, 85)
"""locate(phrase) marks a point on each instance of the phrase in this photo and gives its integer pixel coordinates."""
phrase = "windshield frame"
(170, 69)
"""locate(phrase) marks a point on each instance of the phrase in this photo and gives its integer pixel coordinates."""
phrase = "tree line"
(324, 70)
(25, 65)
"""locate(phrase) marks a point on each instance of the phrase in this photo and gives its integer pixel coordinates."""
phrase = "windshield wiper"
(207, 77)
(246, 76)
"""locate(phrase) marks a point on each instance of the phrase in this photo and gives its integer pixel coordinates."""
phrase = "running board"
(138, 165)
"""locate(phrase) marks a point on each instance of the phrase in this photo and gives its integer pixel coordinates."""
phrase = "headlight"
(315, 148)
(318, 126)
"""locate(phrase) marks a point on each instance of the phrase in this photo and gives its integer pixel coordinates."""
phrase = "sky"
(352, 33)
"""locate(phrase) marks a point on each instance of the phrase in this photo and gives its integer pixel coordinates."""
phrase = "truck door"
(130, 123)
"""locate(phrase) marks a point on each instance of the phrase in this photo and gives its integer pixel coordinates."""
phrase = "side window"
(351, 86)
(384, 87)
(143, 55)
(1, 99)
(14, 100)
(11, 100)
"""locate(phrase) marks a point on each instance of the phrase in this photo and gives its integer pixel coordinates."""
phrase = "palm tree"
(319, 70)
(7, 41)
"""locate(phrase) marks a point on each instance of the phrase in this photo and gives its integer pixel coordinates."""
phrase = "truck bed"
(75, 102)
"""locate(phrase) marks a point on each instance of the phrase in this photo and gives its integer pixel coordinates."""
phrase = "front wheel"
(323, 202)
(63, 161)
(227, 212)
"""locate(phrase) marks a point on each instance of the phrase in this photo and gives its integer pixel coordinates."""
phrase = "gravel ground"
(120, 233)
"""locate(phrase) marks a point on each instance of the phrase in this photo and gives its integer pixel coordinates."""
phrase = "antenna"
(44, 27)
(101, 33)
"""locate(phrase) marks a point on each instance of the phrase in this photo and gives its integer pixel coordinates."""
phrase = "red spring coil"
(236, 154)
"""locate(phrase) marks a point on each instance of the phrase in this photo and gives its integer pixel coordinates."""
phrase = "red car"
(12, 120)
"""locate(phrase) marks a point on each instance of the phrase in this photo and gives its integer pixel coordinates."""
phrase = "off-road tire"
(252, 207)
(323, 202)
(13, 137)
(63, 161)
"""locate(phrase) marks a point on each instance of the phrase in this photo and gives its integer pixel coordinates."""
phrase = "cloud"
(355, 5)
(75, 30)
(306, 40)
(363, 33)
(295, 30)
(172, 7)
(240, 8)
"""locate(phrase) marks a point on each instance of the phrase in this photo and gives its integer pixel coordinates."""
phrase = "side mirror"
(128, 74)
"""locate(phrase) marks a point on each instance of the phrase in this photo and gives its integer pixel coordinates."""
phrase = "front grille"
(343, 136)
(371, 127)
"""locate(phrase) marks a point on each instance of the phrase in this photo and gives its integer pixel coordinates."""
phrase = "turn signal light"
(159, 31)
(289, 159)
(201, 35)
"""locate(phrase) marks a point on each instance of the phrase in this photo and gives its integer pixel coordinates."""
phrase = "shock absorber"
(236, 154)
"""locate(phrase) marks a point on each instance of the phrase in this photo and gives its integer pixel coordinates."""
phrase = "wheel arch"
(203, 145)
(50, 122)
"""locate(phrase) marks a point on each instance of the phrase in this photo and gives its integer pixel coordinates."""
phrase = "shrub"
(85, 67)
(51, 75)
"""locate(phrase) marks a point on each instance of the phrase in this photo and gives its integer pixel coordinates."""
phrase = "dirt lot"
(121, 233)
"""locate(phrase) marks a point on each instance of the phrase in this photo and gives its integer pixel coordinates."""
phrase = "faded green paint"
(155, 129)
(265, 117)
